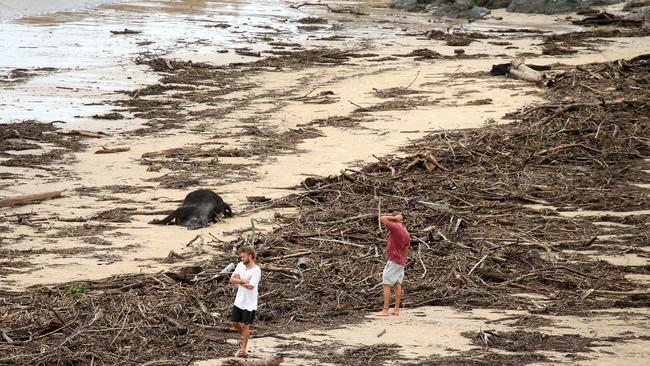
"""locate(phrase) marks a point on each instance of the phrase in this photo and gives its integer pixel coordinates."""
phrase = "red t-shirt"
(398, 242)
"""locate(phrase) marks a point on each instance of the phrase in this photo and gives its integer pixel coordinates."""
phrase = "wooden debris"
(18, 200)
(105, 150)
(126, 31)
(169, 152)
(83, 133)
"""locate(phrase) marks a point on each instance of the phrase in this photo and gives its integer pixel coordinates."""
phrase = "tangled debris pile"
(477, 242)
(32, 135)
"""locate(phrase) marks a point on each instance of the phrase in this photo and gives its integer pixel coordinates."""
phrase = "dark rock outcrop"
(474, 9)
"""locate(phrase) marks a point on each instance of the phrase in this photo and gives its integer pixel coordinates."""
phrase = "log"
(339, 241)
(174, 325)
(84, 133)
(358, 217)
(254, 199)
(167, 152)
(126, 31)
(623, 293)
(104, 150)
(299, 254)
(304, 262)
(431, 162)
(29, 198)
(248, 53)
(553, 150)
(520, 71)
(224, 272)
(279, 269)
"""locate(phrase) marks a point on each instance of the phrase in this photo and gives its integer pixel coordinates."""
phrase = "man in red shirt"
(396, 250)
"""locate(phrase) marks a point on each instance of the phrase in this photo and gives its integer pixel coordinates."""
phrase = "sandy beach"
(259, 130)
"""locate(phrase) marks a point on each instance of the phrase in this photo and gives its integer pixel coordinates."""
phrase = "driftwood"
(254, 199)
(29, 198)
(349, 10)
(84, 133)
(304, 262)
(556, 149)
(299, 254)
(185, 274)
(6, 337)
(227, 271)
(428, 161)
(520, 71)
(270, 268)
(126, 31)
(168, 152)
(105, 150)
(248, 53)
(623, 293)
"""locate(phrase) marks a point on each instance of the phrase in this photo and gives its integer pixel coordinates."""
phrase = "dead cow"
(199, 209)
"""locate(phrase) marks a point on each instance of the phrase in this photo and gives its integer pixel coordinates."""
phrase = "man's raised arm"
(386, 219)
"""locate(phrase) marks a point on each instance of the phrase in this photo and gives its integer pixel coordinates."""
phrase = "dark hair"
(248, 250)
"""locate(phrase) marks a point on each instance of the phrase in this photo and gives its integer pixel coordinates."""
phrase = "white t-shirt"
(247, 299)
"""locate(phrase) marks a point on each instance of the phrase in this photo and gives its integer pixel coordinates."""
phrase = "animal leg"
(227, 211)
(166, 220)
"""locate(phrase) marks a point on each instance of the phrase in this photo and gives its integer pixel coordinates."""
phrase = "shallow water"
(90, 63)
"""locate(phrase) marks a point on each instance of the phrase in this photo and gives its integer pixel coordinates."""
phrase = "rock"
(640, 14)
(545, 6)
(477, 12)
(601, 2)
(636, 4)
(493, 4)
(410, 5)
(458, 9)
(473, 9)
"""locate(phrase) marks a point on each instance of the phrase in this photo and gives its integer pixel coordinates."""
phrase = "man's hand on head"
(396, 218)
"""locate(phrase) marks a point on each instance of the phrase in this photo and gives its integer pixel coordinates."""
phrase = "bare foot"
(381, 313)
(242, 354)
(395, 312)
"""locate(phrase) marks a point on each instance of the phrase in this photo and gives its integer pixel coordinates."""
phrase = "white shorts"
(393, 273)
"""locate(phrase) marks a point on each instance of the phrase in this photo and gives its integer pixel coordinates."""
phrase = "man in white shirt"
(247, 276)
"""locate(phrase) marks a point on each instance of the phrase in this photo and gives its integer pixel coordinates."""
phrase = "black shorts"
(242, 316)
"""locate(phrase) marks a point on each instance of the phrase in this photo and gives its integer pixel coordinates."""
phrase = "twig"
(416, 77)
(358, 106)
(5, 336)
(338, 241)
(287, 256)
(477, 264)
(424, 273)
